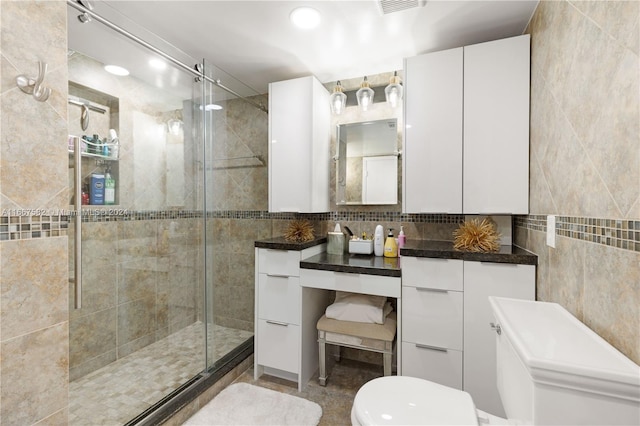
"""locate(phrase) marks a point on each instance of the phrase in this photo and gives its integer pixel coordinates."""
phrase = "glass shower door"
(139, 332)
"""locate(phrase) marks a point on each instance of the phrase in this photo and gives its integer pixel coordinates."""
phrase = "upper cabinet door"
(496, 127)
(432, 146)
(299, 146)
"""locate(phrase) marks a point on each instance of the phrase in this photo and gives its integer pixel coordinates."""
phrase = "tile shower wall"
(33, 175)
(585, 163)
(139, 285)
(140, 267)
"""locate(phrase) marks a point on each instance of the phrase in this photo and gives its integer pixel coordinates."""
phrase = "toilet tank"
(552, 369)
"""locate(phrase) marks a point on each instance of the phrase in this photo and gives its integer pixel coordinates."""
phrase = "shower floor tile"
(123, 389)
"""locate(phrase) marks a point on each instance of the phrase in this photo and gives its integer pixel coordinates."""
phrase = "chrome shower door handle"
(77, 246)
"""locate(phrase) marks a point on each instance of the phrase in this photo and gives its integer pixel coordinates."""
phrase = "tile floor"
(345, 378)
(123, 389)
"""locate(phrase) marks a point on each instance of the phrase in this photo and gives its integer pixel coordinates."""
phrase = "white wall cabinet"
(466, 141)
(496, 127)
(280, 337)
(432, 152)
(299, 135)
(445, 318)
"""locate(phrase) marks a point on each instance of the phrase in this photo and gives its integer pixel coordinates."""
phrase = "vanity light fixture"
(305, 18)
(393, 92)
(338, 100)
(116, 70)
(364, 95)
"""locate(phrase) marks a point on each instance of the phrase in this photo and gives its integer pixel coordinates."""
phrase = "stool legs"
(386, 360)
(322, 376)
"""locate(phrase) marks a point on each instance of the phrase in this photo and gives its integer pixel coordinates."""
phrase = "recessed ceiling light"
(157, 64)
(116, 70)
(305, 17)
(211, 107)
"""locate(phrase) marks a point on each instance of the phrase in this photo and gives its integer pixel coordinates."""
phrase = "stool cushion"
(385, 331)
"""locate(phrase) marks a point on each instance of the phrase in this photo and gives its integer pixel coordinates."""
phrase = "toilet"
(551, 370)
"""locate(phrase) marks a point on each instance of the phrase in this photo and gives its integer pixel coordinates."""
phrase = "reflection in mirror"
(367, 163)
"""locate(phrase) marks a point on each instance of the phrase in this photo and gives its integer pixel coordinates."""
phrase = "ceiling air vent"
(391, 6)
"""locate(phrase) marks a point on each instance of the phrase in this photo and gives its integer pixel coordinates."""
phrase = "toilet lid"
(400, 400)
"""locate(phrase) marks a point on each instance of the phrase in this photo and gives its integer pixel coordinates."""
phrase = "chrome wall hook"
(33, 86)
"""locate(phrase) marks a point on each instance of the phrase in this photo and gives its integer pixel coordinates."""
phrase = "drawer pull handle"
(283, 324)
(433, 348)
(496, 327)
(278, 275)
(437, 290)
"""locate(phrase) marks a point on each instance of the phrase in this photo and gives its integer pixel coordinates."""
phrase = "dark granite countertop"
(354, 263)
(445, 250)
(279, 243)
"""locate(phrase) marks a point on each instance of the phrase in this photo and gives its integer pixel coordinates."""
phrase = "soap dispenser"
(378, 241)
(390, 246)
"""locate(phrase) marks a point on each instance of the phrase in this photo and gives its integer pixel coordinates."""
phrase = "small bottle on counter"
(402, 239)
(390, 246)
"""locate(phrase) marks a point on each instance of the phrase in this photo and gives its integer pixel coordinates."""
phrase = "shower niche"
(94, 118)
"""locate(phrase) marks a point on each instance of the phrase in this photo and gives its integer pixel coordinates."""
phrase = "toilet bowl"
(402, 400)
(551, 370)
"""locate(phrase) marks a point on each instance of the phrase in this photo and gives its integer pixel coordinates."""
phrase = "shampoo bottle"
(109, 188)
(390, 246)
(378, 241)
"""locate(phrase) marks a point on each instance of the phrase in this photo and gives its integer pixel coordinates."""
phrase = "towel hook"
(33, 86)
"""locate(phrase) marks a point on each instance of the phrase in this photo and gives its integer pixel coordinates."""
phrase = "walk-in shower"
(151, 153)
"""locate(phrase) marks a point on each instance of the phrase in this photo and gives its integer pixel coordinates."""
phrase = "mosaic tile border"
(35, 223)
(619, 233)
(28, 227)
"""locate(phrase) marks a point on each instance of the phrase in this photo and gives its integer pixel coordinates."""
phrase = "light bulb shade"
(338, 102)
(364, 95)
(393, 94)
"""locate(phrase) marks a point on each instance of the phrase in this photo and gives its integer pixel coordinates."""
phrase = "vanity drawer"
(278, 345)
(279, 262)
(432, 317)
(279, 298)
(377, 285)
(440, 366)
(427, 272)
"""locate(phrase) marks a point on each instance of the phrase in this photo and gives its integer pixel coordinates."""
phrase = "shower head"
(84, 17)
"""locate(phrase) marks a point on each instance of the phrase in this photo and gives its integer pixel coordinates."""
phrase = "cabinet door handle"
(278, 275)
(436, 290)
(283, 324)
(498, 263)
(432, 348)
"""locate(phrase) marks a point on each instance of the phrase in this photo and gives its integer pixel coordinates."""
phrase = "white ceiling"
(254, 41)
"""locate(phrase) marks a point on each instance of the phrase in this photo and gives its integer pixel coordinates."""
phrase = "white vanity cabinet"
(432, 318)
(466, 139)
(446, 336)
(299, 135)
(481, 280)
(279, 333)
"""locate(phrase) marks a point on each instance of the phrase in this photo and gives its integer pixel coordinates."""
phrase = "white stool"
(359, 335)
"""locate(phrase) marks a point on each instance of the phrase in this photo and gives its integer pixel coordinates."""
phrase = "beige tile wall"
(34, 344)
(585, 158)
(140, 284)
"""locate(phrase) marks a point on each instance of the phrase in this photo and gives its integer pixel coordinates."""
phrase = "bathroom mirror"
(367, 163)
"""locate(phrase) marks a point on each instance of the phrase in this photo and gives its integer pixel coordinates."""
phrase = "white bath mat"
(245, 404)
